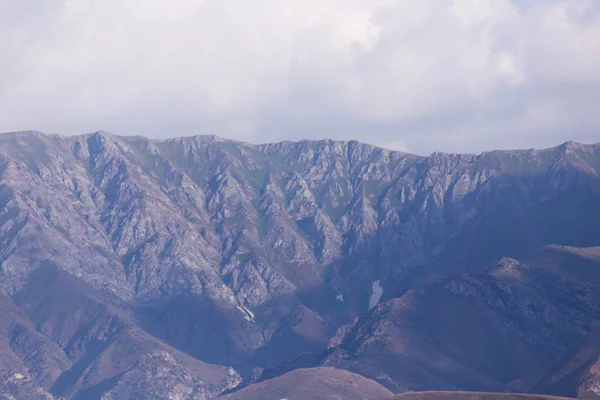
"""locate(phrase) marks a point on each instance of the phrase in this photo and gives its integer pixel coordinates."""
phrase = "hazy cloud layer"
(417, 75)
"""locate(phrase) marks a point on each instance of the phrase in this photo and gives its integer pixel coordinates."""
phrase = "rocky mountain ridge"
(251, 255)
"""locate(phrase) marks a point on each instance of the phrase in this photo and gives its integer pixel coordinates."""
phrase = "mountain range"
(199, 267)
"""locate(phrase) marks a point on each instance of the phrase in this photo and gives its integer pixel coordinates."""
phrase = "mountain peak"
(102, 132)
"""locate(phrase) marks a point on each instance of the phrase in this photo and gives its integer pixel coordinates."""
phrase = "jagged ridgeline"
(196, 266)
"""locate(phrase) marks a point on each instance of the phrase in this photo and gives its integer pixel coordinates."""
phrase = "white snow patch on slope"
(248, 315)
(376, 296)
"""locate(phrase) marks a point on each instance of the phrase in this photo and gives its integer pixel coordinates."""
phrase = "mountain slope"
(488, 331)
(472, 396)
(223, 253)
(91, 347)
(314, 383)
(576, 374)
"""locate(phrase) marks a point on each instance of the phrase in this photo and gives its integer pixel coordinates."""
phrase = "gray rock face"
(248, 255)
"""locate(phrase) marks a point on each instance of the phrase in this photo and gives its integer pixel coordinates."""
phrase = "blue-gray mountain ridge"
(190, 268)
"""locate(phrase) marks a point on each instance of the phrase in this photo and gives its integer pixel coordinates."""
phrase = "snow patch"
(376, 295)
(248, 315)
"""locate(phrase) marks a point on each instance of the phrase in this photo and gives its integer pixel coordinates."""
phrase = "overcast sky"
(412, 75)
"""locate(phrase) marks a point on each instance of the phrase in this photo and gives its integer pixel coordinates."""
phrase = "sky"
(411, 75)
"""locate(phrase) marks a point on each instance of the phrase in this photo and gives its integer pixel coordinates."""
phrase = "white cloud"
(462, 75)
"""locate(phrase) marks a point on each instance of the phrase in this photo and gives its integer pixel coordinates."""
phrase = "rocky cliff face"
(197, 252)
